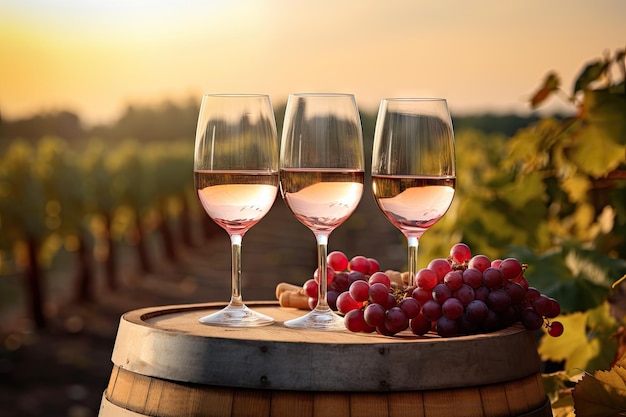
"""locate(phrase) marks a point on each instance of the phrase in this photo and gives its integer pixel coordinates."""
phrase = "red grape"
(492, 278)
(359, 263)
(476, 311)
(460, 253)
(380, 277)
(555, 309)
(431, 310)
(452, 308)
(542, 305)
(516, 292)
(492, 322)
(374, 266)
(378, 293)
(374, 314)
(498, 301)
(355, 322)
(440, 266)
(396, 320)
(522, 281)
(511, 268)
(331, 299)
(465, 294)
(481, 293)
(555, 329)
(410, 306)
(330, 275)
(310, 287)
(420, 325)
(480, 262)
(340, 283)
(359, 290)
(337, 260)
(447, 327)
(391, 301)
(441, 293)
(356, 276)
(426, 278)
(473, 277)
(453, 279)
(422, 295)
(531, 294)
(346, 303)
(530, 319)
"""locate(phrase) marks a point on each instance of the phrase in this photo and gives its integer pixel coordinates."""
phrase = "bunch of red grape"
(459, 295)
(341, 273)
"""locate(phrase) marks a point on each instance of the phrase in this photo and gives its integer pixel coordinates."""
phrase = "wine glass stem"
(322, 272)
(235, 244)
(413, 244)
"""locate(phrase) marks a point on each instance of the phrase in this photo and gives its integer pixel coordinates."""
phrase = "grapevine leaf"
(601, 394)
(550, 83)
(607, 108)
(576, 187)
(595, 152)
(600, 143)
(579, 278)
(529, 188)
(589, 74)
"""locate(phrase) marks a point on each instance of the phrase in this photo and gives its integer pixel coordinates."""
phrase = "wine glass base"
(237, 316)
(324, 320)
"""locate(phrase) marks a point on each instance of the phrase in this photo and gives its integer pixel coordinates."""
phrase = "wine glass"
(413, 166)
(236, 178)
(321, 179)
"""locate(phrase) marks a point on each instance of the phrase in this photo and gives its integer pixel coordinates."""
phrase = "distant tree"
(63, 124)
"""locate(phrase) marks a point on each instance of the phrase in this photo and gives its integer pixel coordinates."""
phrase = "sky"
(97, 57)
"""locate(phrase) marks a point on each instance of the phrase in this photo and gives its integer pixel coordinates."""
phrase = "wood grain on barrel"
(172, 399)
(169, 343)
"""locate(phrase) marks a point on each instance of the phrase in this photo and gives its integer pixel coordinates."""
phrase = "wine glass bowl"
(321, 179)
(236, 179)
(413, 166)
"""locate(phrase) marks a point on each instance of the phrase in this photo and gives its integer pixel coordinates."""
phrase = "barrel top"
(184, 319)
(168, 342)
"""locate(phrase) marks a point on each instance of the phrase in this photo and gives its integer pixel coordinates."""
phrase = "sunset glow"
(95, 58)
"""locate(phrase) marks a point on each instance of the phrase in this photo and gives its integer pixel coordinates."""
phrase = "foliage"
(587, 344)
(582, 163)
(602, 393)
(578, 277)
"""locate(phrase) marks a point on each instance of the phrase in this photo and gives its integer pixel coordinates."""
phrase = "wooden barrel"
(167, 364)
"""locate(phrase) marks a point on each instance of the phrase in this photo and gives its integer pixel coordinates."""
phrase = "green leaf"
(523, 189)
(596, 152)
(599, 146)
(589, 74)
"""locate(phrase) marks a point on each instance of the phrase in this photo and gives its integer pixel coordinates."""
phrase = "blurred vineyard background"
(95, 221)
